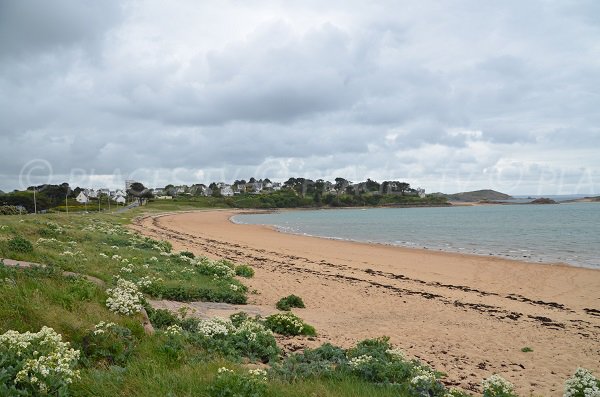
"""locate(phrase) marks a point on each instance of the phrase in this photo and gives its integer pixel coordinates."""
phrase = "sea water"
(562, 233)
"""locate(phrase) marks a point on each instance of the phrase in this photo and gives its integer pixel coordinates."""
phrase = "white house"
(82, 198)
(254, 187)
(120, 200)
(90, 193)
(227, 191)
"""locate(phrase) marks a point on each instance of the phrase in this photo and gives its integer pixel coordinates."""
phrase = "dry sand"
(466, 315)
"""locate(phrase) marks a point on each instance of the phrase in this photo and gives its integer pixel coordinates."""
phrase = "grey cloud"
(30, 27)
(462, 92)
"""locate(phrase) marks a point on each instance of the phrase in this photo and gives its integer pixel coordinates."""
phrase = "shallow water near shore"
(564, 233)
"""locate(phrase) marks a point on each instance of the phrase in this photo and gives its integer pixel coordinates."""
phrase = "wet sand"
(466, 315)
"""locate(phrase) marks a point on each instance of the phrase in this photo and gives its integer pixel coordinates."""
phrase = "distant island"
(475, 196)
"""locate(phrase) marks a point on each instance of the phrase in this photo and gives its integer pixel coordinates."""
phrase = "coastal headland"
(468, 316)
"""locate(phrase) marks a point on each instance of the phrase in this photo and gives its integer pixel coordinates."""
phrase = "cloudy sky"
(450, 96)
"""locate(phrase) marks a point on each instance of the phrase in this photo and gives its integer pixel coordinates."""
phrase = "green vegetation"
(290, 301)
(9, 210)
(86, 338)
(289, 324)
(475, 196)
(20, 244)
(244, 271)
(526, 349)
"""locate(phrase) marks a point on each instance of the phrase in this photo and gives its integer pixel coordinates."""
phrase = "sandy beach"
(468, 316)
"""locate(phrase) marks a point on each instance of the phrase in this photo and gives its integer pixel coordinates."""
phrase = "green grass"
(161, 364)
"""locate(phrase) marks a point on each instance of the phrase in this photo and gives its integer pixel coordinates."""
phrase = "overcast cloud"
(450, 96)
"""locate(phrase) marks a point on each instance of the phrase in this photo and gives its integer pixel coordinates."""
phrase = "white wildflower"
(215, 326)
(174, 330)
(582, 383)
(357, 362)
(496, 384)
(125, 298)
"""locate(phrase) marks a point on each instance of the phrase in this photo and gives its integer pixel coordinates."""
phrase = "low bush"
(9, 210)
(187, 254)
(125, 298)
(290, 301)
(527, 349)
(174, 346)
(244, 271)
(323, 361)
(20, 244)
(289, 324)
(497, 386)
(35, 364)
(188, 293)
(219, 269)
(107, 344)
(247, 338)
(582, 384)
(375, 360)
(161, 318)
(232, 384)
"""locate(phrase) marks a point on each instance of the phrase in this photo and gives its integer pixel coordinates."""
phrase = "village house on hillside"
(82, 198)
(226, 190)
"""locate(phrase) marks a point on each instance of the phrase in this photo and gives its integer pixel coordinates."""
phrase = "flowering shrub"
(497, 386)
(36, 363)
(360, 361)
(376, 361)
(214, 327)
(174, 330)
(582, 384)
(232, 384)
(125, 298)
(253, 340)
(242, 337)
(288, 324)
(425, 382)
(108, 344)
(219, 269)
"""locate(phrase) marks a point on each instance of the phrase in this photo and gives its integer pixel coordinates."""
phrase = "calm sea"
(567, 233)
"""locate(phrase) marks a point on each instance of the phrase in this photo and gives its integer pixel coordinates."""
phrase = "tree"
(139, 191)
(372, 186)
(341, 185)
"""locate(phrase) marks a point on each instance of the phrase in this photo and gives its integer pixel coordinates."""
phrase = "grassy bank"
(104, 350)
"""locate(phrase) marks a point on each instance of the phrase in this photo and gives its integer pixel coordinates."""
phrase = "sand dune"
(468, 316)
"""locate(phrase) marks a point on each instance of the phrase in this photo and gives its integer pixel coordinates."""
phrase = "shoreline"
(275, 228)
(466, 315)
